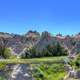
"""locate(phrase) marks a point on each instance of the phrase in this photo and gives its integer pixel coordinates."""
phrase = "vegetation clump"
(49, 72)
(48, 51)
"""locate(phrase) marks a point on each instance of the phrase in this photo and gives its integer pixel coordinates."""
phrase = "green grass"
(49, 71)
(33, 60)
(1, 78)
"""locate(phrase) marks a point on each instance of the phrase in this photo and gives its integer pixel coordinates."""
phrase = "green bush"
(2, 66)
(56, 50)
(7, 53)
(77, 61)
(49, 50)
(49, 71)
(1, 78)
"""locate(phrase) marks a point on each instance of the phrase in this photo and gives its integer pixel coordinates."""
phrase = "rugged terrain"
(18, 43)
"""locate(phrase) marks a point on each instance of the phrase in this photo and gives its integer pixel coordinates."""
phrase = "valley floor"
(21, 67)
(43, 68)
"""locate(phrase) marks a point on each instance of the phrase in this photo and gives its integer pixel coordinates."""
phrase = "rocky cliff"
(33, 38)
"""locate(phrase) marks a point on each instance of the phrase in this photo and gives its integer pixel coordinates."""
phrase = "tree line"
(49, 50)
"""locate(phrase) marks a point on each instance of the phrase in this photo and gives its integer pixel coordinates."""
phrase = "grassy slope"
(33, 61)
(48, 60)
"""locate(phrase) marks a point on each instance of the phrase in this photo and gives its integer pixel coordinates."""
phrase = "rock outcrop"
(32, 38)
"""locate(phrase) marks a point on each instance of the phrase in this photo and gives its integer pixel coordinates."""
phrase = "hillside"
(18, 43)
(41, 48)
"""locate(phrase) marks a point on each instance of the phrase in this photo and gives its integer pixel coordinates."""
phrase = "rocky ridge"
(33, 38)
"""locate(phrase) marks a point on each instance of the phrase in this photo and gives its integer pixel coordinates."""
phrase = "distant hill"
(33, 38)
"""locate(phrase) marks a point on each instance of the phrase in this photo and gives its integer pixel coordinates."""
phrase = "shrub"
(49, 50)
(7, 53)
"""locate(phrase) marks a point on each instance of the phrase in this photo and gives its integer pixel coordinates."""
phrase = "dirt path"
(21, 72)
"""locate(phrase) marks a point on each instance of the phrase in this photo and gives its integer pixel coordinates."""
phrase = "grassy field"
(53, 69)
(33, 60)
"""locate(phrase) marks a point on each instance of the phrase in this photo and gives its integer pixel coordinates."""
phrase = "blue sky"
(19, 16)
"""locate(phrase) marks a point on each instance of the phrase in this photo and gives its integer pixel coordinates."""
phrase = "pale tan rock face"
(33, 38)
